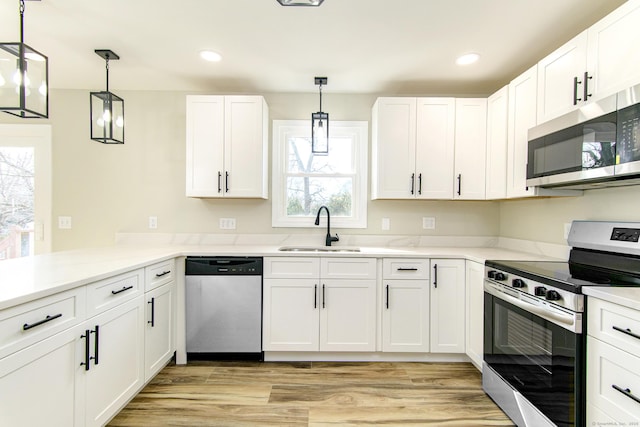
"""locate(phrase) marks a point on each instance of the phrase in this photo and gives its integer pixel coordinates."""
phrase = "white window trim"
(282, 130)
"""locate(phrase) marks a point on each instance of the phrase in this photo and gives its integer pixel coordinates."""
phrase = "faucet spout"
(329, 239)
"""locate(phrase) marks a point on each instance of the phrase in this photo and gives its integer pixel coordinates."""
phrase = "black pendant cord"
(321, 99)
(107, 67)
(21, 21)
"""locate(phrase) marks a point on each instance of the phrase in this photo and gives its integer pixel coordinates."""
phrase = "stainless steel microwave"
(595, 146)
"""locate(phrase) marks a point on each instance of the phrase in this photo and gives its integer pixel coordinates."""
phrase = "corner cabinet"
(319, 304)
(227, 146)
(470, 149)
(447, 305)
(497, 114)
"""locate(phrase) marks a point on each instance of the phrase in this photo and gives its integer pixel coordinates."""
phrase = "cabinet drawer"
(348, 268)
(614, 324)
(292, 268)
(34, 321)
(613, 380)
(113, 291)
(393, 268)
(159, 274)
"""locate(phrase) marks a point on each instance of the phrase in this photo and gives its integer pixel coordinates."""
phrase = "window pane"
(339, 159)
(16, 201)
(305, 195)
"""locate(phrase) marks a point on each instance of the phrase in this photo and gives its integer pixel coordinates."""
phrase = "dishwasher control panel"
(224, 266)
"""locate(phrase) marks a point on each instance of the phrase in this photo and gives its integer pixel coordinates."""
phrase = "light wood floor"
(313, 394)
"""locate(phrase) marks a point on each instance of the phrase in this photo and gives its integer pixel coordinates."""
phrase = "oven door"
(536, 356)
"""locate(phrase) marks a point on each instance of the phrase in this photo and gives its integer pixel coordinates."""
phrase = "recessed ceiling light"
(467, 59)
(300, 2)
(211, 56)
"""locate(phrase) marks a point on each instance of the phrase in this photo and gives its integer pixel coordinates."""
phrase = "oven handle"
(567, 321)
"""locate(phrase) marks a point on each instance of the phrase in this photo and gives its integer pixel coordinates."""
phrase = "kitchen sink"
(317, 249)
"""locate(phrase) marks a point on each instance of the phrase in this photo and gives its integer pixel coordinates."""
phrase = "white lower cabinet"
(327, 313)
(158, 335)
(474, 344)
(405, 311)
(447, 306)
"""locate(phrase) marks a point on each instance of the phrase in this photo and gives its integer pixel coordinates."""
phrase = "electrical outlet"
(64, 222)
(385, 223)
(567, 229)
(227, 223)
(428, 223)
(153, 222)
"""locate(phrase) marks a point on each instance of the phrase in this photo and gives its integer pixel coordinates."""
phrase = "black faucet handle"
(336, 238)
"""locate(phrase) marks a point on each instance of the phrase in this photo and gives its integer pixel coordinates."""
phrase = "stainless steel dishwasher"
(224, 307)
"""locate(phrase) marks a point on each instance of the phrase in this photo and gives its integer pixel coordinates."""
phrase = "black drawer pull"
(626, 392)
(27, 326)
(627, 332)
(407, 269)
(164, 273)
(126, 288)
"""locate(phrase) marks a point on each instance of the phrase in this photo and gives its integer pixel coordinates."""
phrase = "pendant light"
(24, 78)
(107, 109)
(320, 126)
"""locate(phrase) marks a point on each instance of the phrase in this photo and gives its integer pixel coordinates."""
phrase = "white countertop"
(628, 297)
(29, 278)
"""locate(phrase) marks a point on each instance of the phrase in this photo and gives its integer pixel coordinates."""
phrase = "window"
(303, 182)
(25, 190)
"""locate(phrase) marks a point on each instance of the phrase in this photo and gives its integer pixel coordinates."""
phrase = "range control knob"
(553, 295)
(518, 283)
(501, 276)
(540, 291)
(491, 274)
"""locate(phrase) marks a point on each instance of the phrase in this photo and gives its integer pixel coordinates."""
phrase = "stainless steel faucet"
(329, 237)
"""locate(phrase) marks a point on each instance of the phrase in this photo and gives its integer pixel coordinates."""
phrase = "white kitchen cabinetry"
(447, 306)
(405, 311)
(474, 278)
(497, 114)
(613, 375)
(470, 149)
(413, 140)
(227, 143)
(330, 306)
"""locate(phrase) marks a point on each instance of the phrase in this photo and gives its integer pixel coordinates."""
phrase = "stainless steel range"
(534, 323)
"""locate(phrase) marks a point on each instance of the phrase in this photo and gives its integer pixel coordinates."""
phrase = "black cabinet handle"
(323, 297)
(87, 350)
(576, 82)
(315, 296)
(164, 273)
(126, 288)
(435, 275)
(419, 183)
(219, 182)
(413, 178)
(387, 297)
(587, 77)
(407, 269)
(96, 345)
(153, 316)
(27, 326)
(459, 184)
(627, 332)
(226, 182)
(626, 392)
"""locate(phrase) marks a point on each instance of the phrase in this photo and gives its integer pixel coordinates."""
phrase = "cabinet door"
(245, 147)
(447, 306)
(475, 312)
(556, 75)
(522, 117)
(38, 384)
(613, 50)
(394, 148)
(497, 113)
(405, 316)
(435, 137)
(118, 372)
(158, 336)
(470, 148)
(205, 146)
(348, 315)
(290, 315)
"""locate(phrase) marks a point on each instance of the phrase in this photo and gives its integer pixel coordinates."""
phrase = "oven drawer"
(614, 324)
(613, 381)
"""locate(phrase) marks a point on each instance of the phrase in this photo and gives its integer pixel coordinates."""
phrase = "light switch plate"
(386, 223)
(64, 222)
(153, 222)
(429, 223)
(227, 223)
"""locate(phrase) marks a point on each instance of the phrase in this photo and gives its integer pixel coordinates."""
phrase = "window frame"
(282, 130)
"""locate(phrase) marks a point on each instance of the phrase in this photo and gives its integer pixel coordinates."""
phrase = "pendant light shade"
(24, 78)
(320, 126)
(107, 109)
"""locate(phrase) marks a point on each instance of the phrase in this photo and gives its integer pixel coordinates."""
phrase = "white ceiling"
(363, 46)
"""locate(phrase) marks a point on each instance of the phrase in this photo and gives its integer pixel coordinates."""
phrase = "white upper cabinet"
(227, 143)
(470, 148)
(497, 113)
